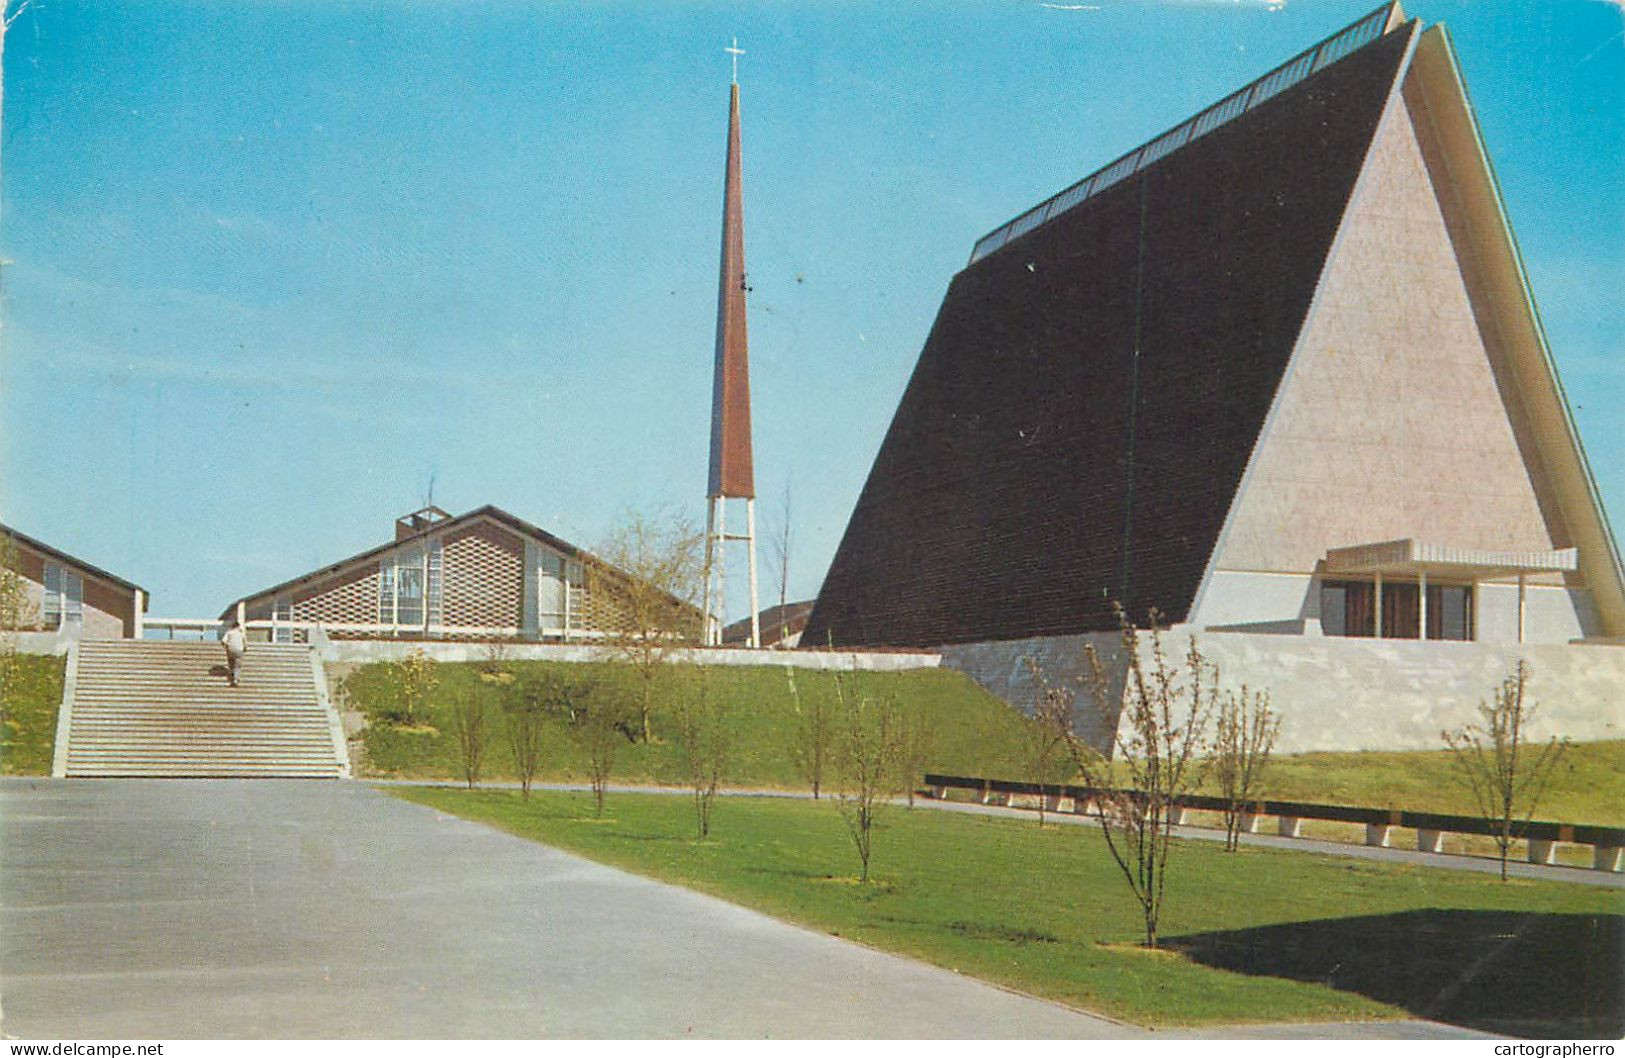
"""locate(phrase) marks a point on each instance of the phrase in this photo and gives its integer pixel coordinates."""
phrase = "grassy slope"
(975, 735)
(30, 697)
(1034, 908)
(975, 732)
(1588, 785)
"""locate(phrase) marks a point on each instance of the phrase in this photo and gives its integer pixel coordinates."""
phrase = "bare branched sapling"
(815, 729)
(703, 735)
(1049, 735)
(1244, 734)
(1159, 718)
(1494, 759)
(869, 757)
(470, 727)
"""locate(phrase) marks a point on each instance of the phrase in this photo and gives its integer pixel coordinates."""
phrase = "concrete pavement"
(263, 909)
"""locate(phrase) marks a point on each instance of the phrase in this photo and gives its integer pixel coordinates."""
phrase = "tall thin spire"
(731, 470)
(732, 474)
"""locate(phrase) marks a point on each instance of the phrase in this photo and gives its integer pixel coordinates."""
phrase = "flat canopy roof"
(1412, 556)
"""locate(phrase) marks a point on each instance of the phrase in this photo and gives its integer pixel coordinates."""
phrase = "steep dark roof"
(1090, 393)
(62, 556)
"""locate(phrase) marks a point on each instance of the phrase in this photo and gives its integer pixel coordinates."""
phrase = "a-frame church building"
(1279, 375)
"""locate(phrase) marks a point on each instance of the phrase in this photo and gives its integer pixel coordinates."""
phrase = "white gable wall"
(1391, 423)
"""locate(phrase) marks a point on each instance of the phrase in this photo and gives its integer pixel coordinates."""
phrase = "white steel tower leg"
(709, 632)
(750, 543)
(722, 567)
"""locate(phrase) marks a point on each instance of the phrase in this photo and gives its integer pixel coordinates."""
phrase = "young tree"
(525, 706)
(815, 730)
(1049, 735)
(600, 727)
(418, 679)
(647, 583)
(869, 757)
(919, 737)
(1493, 757)
(1244, 734)
(1158, 718)
(17, 612)
(779, 541)
(470, 727)
(702, 733)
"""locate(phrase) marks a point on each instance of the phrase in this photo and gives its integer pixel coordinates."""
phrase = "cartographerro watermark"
(1553, 1050)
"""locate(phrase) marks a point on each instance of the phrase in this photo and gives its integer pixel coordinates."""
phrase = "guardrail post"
(939, 792)
(1288, 826)
(1249, 822)
(1176, 815)
(1082, 806)
(1378, 835)
(987, 793)
(1542, 851)
(1607, 857)
(1052, 802)
(1430, 841)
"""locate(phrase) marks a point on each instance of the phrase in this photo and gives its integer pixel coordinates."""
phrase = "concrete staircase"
(165, 709)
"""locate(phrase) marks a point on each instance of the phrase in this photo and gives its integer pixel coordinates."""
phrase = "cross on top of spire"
(736, 53)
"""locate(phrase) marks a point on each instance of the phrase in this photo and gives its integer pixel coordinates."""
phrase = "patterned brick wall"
(484, 577)
(350, 597)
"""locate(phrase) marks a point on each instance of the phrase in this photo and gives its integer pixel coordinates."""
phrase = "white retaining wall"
(1343, 694)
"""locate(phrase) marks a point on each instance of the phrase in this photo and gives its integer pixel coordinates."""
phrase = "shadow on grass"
(1515, 973)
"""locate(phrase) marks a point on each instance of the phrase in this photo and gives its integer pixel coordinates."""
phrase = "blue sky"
(276, 265)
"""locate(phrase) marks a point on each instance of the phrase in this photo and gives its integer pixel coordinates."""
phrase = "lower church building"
(481, 575)
(1278, 375)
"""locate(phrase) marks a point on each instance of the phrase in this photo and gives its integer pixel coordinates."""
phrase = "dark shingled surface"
(1036, 468)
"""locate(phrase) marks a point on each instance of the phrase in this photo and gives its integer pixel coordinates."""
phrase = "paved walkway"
(201, 909)
(176, 909)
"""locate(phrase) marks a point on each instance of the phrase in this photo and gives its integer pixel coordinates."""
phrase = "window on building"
(281, 610)
(1349, 607)
(1450, 611)
(410, 585)
(64, 598)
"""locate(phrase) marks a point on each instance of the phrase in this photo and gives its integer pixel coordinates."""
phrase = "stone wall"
(1342, 694)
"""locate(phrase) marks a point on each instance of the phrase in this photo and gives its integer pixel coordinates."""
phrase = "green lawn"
(1256, 935)
(975, 733)
(1588, 785)
(30, 694)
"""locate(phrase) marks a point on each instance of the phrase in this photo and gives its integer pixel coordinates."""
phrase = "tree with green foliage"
(869, 757)
(1244, 734)
(1049, 736)
(1494, 759)
(701, 723)
(17, 611)
(1158, 719)
(647, 582)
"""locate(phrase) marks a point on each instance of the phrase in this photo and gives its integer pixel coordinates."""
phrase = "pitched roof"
(792, 615)
(496, 514)
(1090, 393)
(47, 549)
